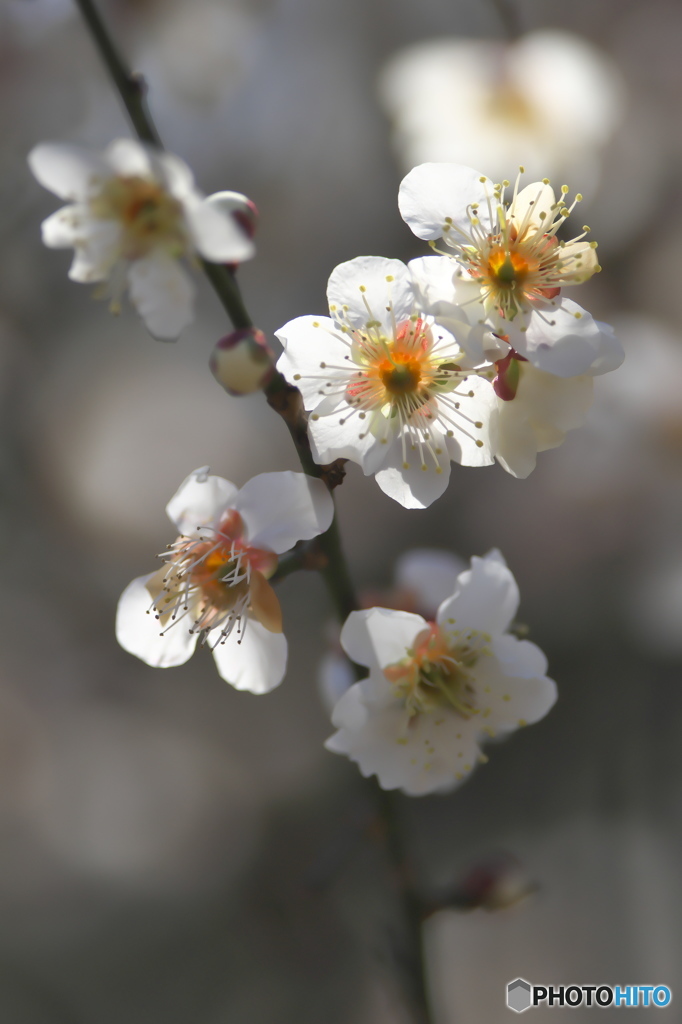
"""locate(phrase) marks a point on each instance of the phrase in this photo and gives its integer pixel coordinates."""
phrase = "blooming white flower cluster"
(133, 214)
(437, 690)
(468, 356)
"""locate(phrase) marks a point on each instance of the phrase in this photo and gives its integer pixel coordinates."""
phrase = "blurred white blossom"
(133, 213)
(214, 581)
(550, 100)
(199, 54)
(436, 690)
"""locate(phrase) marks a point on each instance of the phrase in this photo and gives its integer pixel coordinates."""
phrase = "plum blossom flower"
(385, 387)
(436, 690)
(423, 578)
(512, 263)
(533, 409)
(133, 214)
(213, 584)
(497, 104)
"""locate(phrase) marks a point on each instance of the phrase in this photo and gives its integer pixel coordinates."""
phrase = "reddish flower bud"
(242, 362)
(505, 384)
(240, 208)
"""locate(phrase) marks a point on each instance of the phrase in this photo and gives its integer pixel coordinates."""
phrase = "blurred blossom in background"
(163, 836)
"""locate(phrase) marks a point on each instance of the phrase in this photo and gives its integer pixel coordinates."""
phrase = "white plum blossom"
(437, 690)
(532, 409)
(214, 584)
(385, 386)
(508, 249)
(133, 213)
(549, 100)
(422, 579)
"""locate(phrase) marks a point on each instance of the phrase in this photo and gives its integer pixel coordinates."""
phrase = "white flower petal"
(430, 574)
(254, 660)
(131, 158)
(566, 340)
(215, 234)
(533, 208)
(433, 195)
(378, 637)
(427, 754)
(200, 500)
(64, 227)
(473, 408)
(593, 105)
(331, 439)
(306, 347)
(440, 288)
(507, 702)
(96, 251)
(162, 294)
(280, 509)
(486, 598)
(561, 401)
(513, 440)
(611, 353)
(71, 172)
(335, 675)
(363, 285)
(138, 632)
(519, 658)
(421, 483)
(177, 176)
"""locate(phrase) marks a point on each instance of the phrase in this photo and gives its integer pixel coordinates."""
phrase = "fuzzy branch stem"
(510, 18)
(331, 561)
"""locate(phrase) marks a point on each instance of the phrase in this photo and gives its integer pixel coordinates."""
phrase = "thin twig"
(286, 400)
(411, 955)
(131, 88)
(509, 16)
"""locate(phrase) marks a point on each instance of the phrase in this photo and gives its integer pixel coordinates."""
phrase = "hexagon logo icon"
(518, 995)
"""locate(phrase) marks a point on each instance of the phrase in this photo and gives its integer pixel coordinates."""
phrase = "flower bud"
(239, 207)
(506, 383)
(242, 361)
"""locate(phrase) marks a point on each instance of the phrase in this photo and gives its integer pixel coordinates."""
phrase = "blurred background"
(172, 850)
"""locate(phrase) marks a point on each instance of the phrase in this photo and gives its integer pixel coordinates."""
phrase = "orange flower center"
(509, 268)
(435, 673)
(402, 374)
(223, 578)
